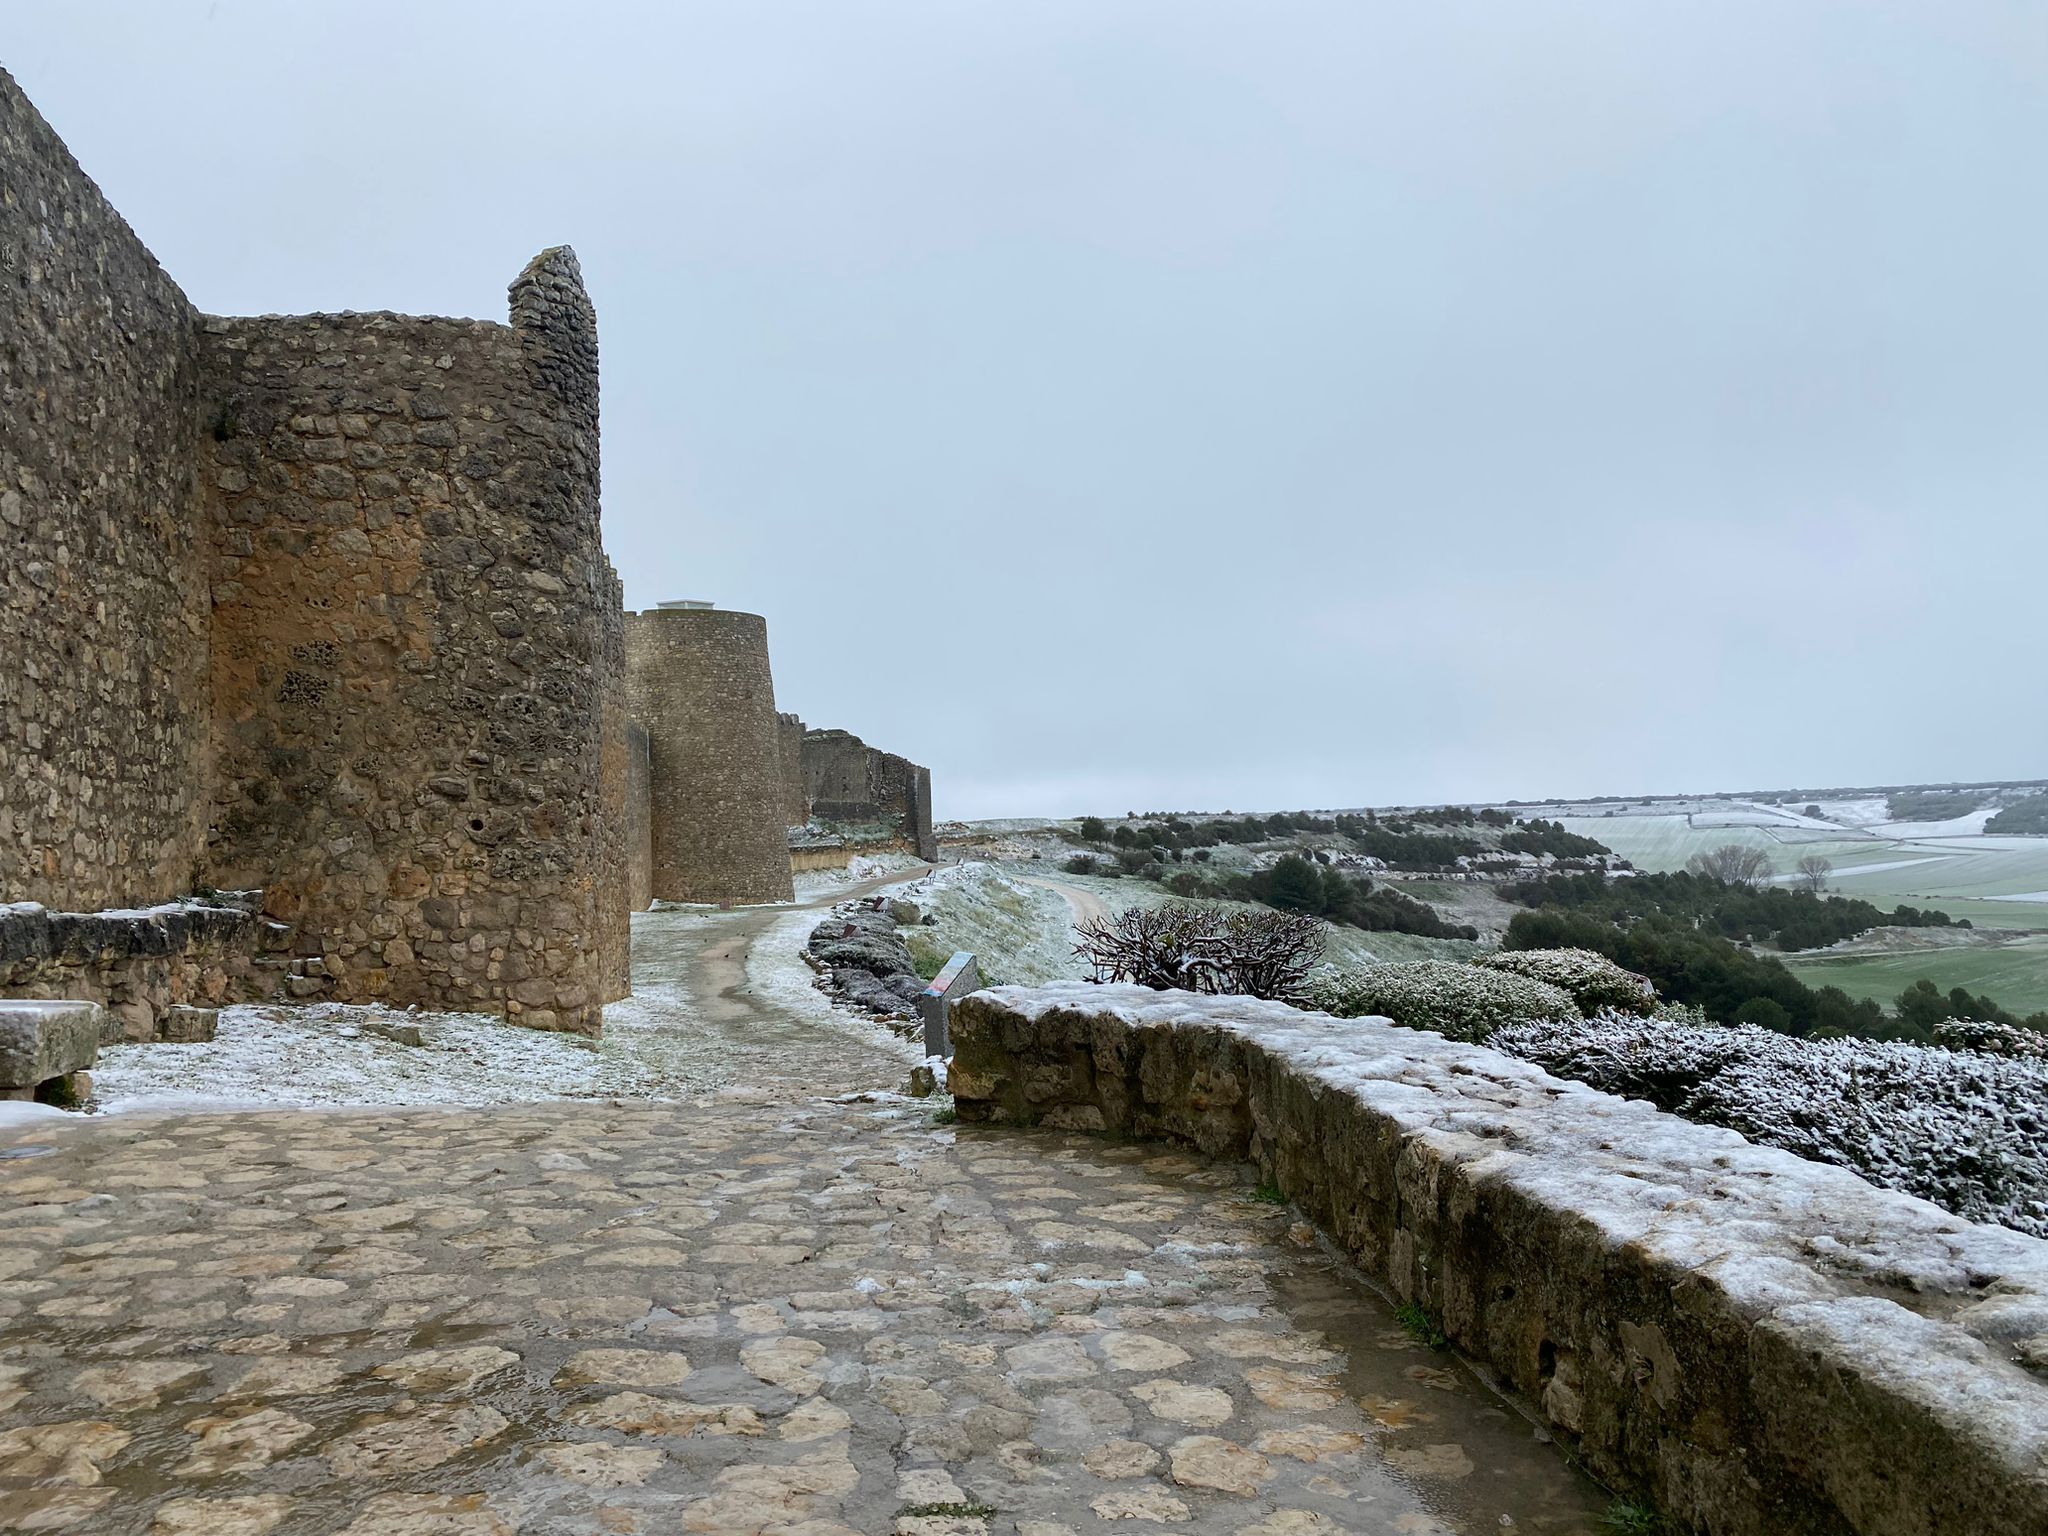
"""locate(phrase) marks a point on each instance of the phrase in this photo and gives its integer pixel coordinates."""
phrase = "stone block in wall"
(1754, 1343)
(45, 1039)
(182, 1024)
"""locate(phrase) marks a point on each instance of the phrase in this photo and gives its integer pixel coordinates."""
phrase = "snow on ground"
(1870, 811)
(663, 1042)
(23, 1114)
(278, 1056)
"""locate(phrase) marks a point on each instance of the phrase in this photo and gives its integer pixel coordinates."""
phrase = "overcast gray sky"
(1140, 405)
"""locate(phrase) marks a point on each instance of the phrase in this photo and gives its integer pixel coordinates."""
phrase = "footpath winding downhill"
(810, 1316)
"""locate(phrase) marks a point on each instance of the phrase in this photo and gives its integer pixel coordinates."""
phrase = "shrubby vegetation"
(1459, 1002)
(1681, 932)
(1932, 804)
(1538, 836)
(1967, 1130)
(1421, 842)
(1786, 918)
(1296, 884)
(1691, 966)
(1593, 982)
(1204, 949)
(2025, 818)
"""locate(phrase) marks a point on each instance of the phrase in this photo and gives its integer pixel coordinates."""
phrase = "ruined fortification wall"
(851, 784)
(789, 756)
(103, 611)
(615, 826)
(410, 603)
(698, 679)
(639, 818)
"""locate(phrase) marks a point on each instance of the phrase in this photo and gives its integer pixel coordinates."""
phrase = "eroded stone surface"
(812, 1320)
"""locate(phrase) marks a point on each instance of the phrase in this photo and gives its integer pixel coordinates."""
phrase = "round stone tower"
(697, 678)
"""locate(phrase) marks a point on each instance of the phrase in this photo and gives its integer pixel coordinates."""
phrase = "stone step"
(43, 1040)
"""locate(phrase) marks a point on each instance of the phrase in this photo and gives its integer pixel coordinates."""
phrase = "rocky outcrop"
(862, 961)
(1756, 1343)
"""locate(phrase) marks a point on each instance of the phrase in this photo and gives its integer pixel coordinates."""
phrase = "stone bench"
(1758, 1344)
(45, 1048)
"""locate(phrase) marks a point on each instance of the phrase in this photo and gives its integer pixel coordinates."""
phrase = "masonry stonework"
(409, 610)
(698, 679)
(639, 817)
(851, 784)
(316, 604)
(103, 608)
(789, 756)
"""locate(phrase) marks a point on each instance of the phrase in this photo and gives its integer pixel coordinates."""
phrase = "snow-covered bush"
(1595, 982)
(1460, 1002)
(1996, 1039)
(1964, 1129)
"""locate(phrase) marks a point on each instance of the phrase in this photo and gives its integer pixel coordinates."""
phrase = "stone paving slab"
(748, 1321)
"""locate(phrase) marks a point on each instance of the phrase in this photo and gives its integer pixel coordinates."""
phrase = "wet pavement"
(802, 1318)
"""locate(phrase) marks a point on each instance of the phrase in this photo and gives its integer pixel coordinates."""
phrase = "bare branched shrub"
(1205, 949)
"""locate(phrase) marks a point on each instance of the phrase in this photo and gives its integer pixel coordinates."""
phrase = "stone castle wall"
(616, 825)
(789, 756)
(639, 818)
(316, 604)
(698, 679)
(142, 965)
(409, 629)
(851, 784)
(103, 608)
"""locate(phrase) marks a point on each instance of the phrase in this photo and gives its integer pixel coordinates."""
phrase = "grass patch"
(1270, 1194)
(947, 1511)
(1420, 1326)
(946, 1115)
(927, 954)
(2012, 974)
(1626, 1519)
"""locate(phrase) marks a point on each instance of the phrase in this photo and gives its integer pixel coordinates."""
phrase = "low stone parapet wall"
(1757, 1344)
(145, 965)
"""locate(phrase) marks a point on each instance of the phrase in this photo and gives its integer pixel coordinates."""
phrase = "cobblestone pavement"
(804, 1320)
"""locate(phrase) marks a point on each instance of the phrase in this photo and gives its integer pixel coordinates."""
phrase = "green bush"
(1460, 1002)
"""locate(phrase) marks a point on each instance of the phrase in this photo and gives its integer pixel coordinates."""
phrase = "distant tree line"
(1932, 804)
(2026, 818)
(1788, 919)
(1294, 884)
(1686, 933)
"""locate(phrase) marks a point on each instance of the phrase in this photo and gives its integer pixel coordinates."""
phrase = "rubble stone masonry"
(698, 679)
(316, 604)
(103, 609)
(409, 598)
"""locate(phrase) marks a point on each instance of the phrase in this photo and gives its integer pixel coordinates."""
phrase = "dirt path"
(1088, 907)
